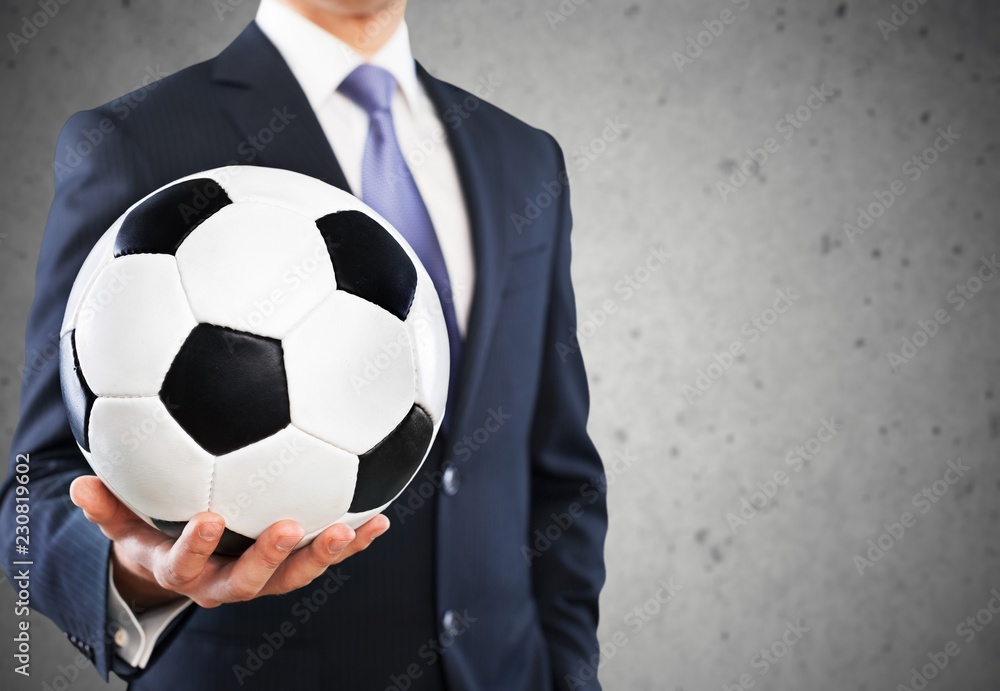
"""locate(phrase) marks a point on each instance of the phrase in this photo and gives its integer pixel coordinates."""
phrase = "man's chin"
(346, 8)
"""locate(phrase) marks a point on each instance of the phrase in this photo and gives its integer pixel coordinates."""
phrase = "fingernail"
(337, 546)
(287, 542)
(209, 531)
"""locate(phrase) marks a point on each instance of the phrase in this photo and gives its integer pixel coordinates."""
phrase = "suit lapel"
(480, 166)
(256, 86)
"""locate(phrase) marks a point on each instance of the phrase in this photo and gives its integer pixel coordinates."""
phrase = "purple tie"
(388, 187)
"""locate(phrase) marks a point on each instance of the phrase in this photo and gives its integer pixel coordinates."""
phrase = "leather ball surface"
(257, 343)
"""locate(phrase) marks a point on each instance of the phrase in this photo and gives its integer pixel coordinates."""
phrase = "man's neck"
(363, 33)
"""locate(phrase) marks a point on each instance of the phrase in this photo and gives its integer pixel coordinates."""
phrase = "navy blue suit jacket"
(462, 592)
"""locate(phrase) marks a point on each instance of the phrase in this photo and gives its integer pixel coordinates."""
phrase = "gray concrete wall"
(688, 460)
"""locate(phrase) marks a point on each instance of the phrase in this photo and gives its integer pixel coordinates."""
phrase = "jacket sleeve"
(567, 482)
(98, 175)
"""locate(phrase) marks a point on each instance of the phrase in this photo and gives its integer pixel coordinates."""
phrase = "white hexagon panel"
(230, 282)
(138, 449)
(349, 385)
(290, 473)
(130, 324)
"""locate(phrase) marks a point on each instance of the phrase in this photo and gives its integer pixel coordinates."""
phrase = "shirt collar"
(320, 61)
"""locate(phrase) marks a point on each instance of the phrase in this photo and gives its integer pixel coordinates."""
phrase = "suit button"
(449, 622)
(450, 480)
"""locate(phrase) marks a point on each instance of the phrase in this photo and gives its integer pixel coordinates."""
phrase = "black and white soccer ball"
(257, 343)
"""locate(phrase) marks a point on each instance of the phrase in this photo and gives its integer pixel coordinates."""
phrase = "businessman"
(490, 574)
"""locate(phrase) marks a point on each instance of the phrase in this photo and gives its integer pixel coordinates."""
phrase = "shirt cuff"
(136, 635)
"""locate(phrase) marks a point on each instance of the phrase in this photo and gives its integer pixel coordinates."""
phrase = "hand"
(151, 568)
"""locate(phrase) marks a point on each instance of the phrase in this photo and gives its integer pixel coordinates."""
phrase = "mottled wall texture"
(785, 256)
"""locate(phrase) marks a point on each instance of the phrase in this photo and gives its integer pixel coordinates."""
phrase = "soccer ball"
(257, 343)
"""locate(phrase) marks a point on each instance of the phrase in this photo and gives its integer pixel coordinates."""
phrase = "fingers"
(332, 546)
(367, 533)
(304, 566)
(181, 562)
(188, 566)
(90, 494)
(244, 578)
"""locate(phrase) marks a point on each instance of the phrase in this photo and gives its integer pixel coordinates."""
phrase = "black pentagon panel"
(160, 224)
(227, 388)
(231, 544)
(384, 471)
(77, 396)
(369, 262)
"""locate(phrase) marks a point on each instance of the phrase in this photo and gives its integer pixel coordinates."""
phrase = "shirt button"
(449, 622)
(450, 480)
(121, 638)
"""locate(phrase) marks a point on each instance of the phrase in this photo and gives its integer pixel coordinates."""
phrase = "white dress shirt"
(320, 62)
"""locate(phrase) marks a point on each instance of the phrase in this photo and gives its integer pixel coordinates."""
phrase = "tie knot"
(370, 87)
